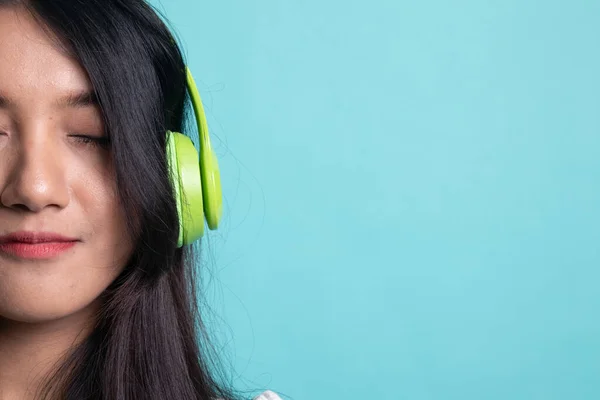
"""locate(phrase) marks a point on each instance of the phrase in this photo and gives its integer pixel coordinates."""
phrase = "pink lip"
(39, 251)
(35, 245)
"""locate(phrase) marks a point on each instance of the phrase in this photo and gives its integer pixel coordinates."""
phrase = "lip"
(38, 251)
(35, 245)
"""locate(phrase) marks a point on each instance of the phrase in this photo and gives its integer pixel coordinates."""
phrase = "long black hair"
(149, 341)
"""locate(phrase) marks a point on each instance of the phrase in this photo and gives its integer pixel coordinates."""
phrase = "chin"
(35, 313)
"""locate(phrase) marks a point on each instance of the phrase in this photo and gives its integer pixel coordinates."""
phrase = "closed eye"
(101, 141)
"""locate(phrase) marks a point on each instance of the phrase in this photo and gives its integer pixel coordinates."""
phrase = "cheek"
(105, 219)
(97, 198)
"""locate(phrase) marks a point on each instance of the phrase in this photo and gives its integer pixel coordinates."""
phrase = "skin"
(50, 181)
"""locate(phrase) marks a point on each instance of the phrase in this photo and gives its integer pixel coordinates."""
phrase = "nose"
(34, 175)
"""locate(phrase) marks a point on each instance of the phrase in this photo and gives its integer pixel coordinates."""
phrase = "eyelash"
(102, 142)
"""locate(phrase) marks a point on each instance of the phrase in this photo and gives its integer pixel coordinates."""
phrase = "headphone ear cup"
(211, 185)
(175, 180)
(185, 175)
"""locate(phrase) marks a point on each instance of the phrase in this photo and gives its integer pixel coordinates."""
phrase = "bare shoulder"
(268, 395)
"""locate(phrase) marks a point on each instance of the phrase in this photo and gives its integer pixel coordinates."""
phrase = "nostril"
(21, 207)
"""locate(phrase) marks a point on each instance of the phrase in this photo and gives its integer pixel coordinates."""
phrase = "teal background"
(411, 187)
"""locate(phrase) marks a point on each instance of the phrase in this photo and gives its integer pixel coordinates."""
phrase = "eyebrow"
(80, 99)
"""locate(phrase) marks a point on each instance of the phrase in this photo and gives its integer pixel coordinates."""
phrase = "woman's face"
(52, 181)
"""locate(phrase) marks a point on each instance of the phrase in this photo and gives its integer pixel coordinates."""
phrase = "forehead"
(32, 65)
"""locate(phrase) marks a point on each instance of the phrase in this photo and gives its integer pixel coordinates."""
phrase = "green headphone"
(197, 183)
